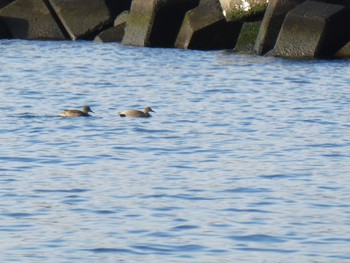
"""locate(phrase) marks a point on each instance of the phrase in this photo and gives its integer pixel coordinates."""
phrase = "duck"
(77, 113)
(137, 113)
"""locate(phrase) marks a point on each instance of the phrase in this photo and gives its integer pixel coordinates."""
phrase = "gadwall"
(137, 113)
(77, 113)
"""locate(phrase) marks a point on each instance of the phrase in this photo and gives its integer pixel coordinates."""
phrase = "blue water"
(247, 159)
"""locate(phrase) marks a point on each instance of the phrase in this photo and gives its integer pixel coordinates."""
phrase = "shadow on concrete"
(118, 6)
(4, 3)
(15, 27)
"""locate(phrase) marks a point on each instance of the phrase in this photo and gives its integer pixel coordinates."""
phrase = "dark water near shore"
(247, 159)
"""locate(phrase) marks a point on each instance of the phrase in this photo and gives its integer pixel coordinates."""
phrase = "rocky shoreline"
(297, 29)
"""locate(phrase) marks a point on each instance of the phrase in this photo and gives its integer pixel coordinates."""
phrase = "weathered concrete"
(112, 34)
(272, 23)
(83, 19)
(205, 28)
(155, 22)
(138, 28)
(30, 20)
(122, 18)
(247, 37)
(313, 30)
(115, 33)
(238, 10)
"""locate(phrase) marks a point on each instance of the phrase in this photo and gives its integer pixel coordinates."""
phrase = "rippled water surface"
(246, 159)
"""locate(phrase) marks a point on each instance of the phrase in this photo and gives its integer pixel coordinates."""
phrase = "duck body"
(76, 113)
(137, 113)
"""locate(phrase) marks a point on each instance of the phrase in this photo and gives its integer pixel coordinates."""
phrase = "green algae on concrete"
(241, 10)
(138, 30)
(247, 37)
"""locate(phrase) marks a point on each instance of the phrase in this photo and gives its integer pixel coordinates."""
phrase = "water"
(247, 159)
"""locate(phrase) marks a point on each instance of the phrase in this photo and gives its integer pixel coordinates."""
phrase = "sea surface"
(246, 158)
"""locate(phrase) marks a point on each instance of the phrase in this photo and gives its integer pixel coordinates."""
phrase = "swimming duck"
(77, 113)
(137, 113)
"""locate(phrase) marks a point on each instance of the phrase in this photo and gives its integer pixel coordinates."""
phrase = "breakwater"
(283, 28)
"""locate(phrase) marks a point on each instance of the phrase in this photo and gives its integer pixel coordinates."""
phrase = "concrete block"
(313, 30)
(112, 34)
(30, 20)
(115, 33)
(247, 37)
(344, 52)
(155, 23)
(238, 10)
(83, 19)
(122, 18)
(205, 28)
(272, 23)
